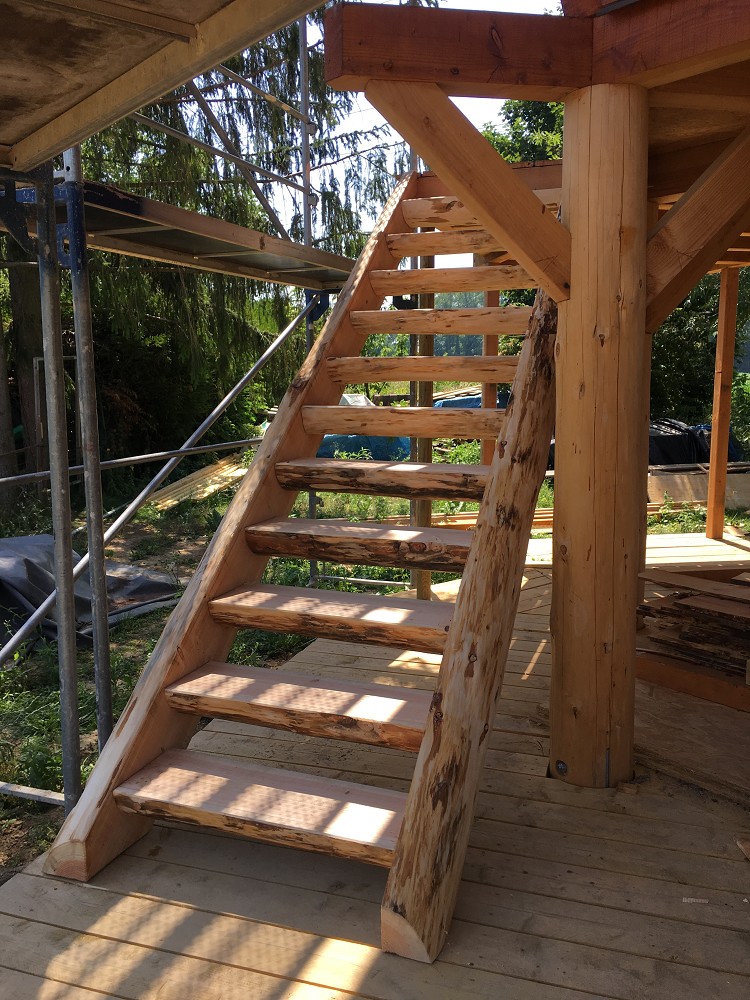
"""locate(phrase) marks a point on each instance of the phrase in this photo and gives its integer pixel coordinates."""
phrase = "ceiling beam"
(658, 42)
(480, 177)
(123, 13)
(465, 52)
(695, 233)
(234, 26)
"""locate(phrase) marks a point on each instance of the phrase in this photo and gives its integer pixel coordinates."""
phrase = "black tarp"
(27, 578)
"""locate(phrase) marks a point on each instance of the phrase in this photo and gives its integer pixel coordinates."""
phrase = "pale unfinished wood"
(722, 402)
(600, 478)
(423, 882)
(439, 212)
(95, 832)
(284, 807)
(442, 242)
(445, 138)
(337, 709)
(362, 542)
(403, 421)
(390, 621)
(450, 279)
(493, 369)
(438, 480)
(504, 321)
(712, 213)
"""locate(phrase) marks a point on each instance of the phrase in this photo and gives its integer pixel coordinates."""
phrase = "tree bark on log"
(421, 891)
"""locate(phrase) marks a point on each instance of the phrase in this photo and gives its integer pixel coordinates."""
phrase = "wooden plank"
(406, 421)
(118, 13)
(477, 173)
(95, 832)
(722, 402)
(448, 241)
(450, 279)
(362, 542)
(371, 618)
(718, 606)
(679, 674)
(493, 369)
(683, 581)
(118, 969)
(280, 807)
(441, 212)
(600, 478)
(656, 43)
(503, 321)
(438, 480)
(336, 709)
(480, 54)
(692, 235)
(232, 27)
(423, 882)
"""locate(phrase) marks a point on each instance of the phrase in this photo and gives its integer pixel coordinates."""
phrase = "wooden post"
(717, 472)
(600, 475)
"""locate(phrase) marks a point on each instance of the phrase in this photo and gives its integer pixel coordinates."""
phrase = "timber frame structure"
(654, 192)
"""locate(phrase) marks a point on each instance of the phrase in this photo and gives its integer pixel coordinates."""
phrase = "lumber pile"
(203, 483)
(702, 621)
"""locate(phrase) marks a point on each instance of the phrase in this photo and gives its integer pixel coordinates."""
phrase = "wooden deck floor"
(568, 894)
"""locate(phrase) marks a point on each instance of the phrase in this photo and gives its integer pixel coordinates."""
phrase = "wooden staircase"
(145, 770)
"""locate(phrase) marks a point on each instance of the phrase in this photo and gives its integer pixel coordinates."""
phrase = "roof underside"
(71, 67)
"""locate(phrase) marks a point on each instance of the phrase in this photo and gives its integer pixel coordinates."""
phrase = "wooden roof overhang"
(69, 68)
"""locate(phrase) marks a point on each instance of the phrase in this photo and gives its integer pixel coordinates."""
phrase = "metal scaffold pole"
(86, 396)
(49, 283)
(304, 86)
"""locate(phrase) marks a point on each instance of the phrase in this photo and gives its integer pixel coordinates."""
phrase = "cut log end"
(398, 937)
(68, 860)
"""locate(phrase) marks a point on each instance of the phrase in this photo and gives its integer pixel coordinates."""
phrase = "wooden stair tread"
(451, 279)
(438, 480)
(489, 320)
(357, 542)
(390, 621)
(446, 241)
(489, 369)
(441, 212)
(404, 421)
(281, 807)
(380, 714)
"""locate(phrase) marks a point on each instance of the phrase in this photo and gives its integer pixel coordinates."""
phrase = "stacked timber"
(702, 621)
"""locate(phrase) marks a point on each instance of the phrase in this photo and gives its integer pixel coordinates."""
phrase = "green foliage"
(684, 350)
(529, 130)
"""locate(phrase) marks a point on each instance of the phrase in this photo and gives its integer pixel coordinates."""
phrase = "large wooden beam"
(724, 369)
(712, 213)
(233, 27)
(482, 54)
(656, 42)
(600, 486)
(480, 177)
